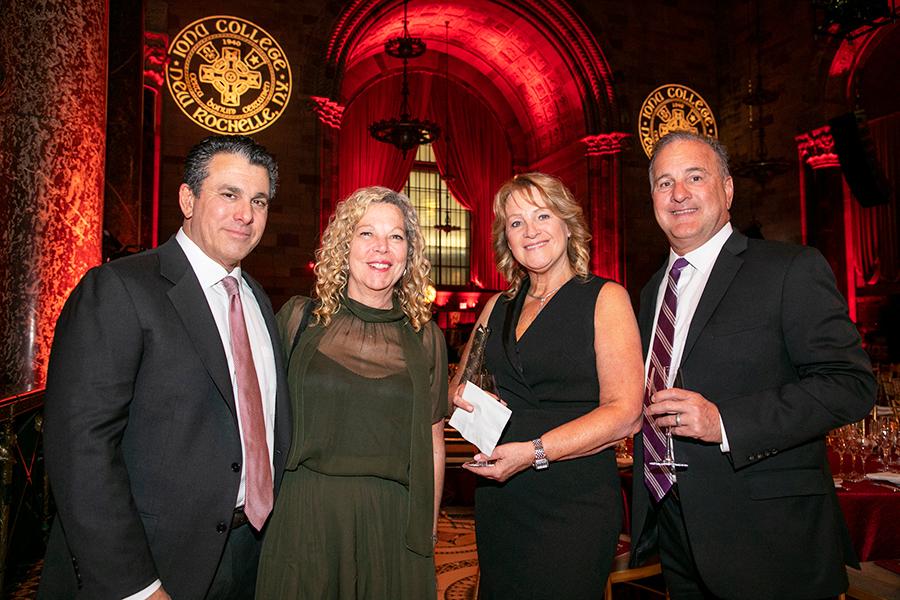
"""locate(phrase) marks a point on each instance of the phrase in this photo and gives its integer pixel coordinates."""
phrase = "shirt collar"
(704, 257)
(208, 271)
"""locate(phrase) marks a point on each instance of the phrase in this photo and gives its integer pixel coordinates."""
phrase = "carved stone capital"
(816, 148)
(605, 143)
(155, 57)
(328, 111)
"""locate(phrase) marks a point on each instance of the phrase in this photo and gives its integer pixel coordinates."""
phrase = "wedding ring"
(677, 419)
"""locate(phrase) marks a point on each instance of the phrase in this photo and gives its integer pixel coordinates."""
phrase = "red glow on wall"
(442, 298)
(469, 299)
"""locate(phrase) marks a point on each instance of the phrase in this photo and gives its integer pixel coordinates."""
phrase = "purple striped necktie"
(659, 480)
(259, 489)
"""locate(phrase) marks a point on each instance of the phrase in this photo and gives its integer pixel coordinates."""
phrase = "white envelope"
(483, 425)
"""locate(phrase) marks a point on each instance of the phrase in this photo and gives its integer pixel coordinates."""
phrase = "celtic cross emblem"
(230, 76)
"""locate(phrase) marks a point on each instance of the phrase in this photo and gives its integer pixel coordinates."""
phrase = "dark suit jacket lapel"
(648, 307)
(725, 268)
(190, 302)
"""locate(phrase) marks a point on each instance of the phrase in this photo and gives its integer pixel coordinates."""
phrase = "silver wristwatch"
(540, 458)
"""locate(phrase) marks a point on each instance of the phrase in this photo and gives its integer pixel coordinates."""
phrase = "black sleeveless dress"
(551, 533)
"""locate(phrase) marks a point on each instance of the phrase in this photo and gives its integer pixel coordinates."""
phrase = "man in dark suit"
(161, 431)
(761, 361)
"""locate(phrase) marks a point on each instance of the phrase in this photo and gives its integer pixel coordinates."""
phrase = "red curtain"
(878, 258)
(364, 161)
(480, 161)
(479, 155)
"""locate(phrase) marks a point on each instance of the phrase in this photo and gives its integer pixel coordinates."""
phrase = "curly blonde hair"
(333, 264)
(557, 198)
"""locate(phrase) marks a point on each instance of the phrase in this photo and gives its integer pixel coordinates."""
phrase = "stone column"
(605, 214)
(52, 140)
(155, 56)
(825, 208)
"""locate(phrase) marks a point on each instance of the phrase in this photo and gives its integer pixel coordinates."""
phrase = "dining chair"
(621, 573)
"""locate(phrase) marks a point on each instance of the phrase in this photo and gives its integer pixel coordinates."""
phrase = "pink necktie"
(659, 480)
(258, 496)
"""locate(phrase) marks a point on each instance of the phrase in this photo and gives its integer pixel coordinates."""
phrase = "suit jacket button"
(236, 467)
(222, 527)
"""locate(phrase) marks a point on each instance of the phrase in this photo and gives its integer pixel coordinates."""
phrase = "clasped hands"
(686, 414)
(508, 459)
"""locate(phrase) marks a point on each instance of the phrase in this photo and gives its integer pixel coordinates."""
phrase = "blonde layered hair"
(333, 256)
(557, 197)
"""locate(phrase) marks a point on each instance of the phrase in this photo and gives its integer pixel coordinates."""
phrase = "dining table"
(872, 513)
(871, 510)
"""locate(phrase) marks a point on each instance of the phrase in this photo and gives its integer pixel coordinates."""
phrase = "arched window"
(444, 222)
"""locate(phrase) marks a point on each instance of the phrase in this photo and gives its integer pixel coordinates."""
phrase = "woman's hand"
(458, 401)
(456, 397)
(508, 459)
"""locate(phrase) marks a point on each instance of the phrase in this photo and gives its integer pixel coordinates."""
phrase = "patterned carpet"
(456, 561)
(24, 583)
(455, 557)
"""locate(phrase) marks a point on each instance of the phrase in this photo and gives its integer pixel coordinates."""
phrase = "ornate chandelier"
(447, 227)
(406, 132)
(761, 167)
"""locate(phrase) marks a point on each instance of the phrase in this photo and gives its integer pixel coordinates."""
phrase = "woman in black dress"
(565, 353)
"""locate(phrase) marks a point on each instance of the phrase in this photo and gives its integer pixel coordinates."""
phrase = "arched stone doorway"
(534, 66)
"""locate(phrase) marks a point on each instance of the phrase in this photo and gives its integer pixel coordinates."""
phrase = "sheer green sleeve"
(436, 349)
(288, 319)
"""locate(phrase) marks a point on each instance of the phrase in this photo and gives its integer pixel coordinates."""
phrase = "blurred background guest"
(368, 381)
(565, 353)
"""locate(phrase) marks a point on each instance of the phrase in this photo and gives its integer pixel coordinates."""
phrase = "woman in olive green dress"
(356, 515)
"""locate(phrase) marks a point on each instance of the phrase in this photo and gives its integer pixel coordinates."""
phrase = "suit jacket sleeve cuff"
(724, 445)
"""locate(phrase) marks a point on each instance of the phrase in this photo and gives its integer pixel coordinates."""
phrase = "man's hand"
(160, 594)
(687, 414)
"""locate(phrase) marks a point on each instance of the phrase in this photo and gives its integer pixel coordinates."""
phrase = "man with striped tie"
(750, 360)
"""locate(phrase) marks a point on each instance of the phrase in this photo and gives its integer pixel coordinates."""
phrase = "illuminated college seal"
(674, 107)
(228, 75)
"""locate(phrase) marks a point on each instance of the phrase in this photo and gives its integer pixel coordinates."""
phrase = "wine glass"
(853, 435)
(669, 459)
(894, 463)
(868, 447)
(838, 444)
(884, 435)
